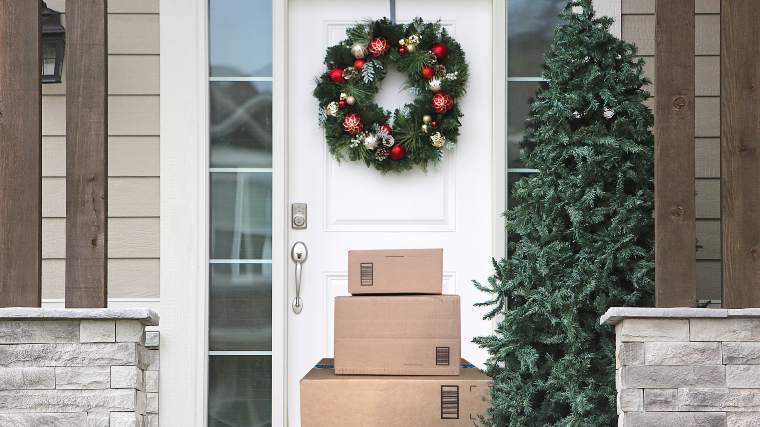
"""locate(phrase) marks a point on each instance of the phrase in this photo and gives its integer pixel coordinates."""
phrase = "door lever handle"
(298, 253)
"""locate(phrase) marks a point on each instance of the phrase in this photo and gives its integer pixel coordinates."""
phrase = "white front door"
(353, 207)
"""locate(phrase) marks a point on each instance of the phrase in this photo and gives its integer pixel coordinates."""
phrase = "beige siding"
(638, 26)
(707, 157)
(133, 158)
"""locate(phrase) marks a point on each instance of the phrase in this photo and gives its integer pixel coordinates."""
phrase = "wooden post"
(675, 225)
(86, 153)
(20, 154)
(740, 152)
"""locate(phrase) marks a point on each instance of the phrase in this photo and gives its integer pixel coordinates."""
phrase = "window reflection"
(520, 96)
(241, 124)
(240, 38)
(530, 31)
(241, 216)
(240, 310)
(240, 389)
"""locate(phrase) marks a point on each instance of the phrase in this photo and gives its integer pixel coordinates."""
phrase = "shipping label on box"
(334, 400)
(397, 335)
(395, 271)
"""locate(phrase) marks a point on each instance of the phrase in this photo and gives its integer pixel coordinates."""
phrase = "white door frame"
(184, 202)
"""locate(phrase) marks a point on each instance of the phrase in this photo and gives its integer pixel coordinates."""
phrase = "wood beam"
(20, 154)
(740, 152)
(675, 225)
(86, 153)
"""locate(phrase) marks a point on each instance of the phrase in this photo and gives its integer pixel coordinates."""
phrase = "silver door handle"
(298, 253)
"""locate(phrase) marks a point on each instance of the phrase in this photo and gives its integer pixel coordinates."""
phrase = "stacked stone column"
(702, 369)
(77, 372)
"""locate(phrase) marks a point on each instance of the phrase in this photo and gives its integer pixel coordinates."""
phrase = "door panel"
(353, 207)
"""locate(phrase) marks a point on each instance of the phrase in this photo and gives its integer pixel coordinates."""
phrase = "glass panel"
(240, 309)
(241, 124)
(530, 27)
(519, 97)
(48, 59)
(241, 215)
(240, 38)
(239, 393)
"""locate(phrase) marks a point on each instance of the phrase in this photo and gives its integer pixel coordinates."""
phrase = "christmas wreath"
(356, 128)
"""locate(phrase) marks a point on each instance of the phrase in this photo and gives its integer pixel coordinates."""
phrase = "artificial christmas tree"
(580, 233)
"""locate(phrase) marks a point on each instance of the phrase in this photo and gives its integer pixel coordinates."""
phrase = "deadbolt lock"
(298, 215)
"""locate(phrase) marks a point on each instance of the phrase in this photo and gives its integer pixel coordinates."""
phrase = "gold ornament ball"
(358, 50)
(343, 95)
(424, 128)
(332, 109)
(437, 140)
(426, 119)
(402, 42)
(350, 100)
(411, 47)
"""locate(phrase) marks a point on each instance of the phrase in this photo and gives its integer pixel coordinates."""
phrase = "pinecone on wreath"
(382, 153)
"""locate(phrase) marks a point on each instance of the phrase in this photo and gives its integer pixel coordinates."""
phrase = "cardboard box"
(397, 335)
(395, 271)
(329, 400)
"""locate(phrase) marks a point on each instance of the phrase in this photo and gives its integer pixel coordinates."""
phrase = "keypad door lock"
(298, 216)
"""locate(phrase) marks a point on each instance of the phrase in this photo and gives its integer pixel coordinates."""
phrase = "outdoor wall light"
(53, 44)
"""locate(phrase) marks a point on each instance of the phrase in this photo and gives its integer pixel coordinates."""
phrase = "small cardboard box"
(395, 271)
(397, 335)
(329, 400)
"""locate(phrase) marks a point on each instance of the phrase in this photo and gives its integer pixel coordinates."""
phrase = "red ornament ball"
(359, 63)
(402, 50)
(342, 103)
(352, 124)
(442, 102)
(387, 129)
(398, 152)
(434, 124)
(378, 47)
(428, 73)
(336, 75)
(440, 50)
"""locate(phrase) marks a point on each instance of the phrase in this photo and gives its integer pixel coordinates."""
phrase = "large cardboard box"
(395, 271)
(330, 400)
(397, 335)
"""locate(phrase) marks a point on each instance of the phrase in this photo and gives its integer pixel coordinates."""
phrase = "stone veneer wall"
(77, 370)
(687, 367)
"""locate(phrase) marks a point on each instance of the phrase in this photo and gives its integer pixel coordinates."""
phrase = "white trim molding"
(613, 9)
(280, 212)
(184, 218)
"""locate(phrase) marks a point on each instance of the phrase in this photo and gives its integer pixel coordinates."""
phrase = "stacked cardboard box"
(397, 349)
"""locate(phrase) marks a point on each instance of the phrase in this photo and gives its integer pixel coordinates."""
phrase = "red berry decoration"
(387, 129)
(336, 75)
(442, 102)
(352, 124)
(359, 63)
(342, 103)
(428, 73)
(440, 50)
(398, 152)
(434, 124)
(402, 50)
(378, 47)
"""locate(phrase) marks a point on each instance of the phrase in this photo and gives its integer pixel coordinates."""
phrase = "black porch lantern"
(53, 44)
